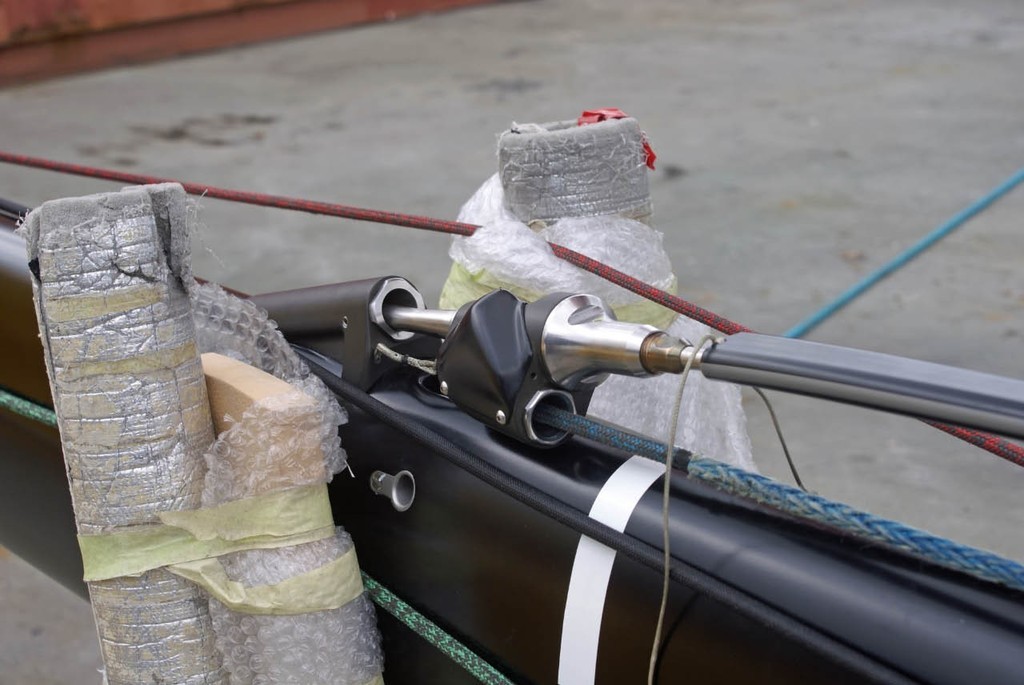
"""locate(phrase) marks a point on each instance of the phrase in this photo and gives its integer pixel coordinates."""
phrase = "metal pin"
(399, 488)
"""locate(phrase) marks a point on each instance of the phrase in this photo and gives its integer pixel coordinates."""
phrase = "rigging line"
(693, 577)
(666, 490)
(899, 261)
(778, 431)
(673, 302)
(424, 365)
(434, 634)
(991, 443)
(12, 212)
(809, 506)
(28, 408)
(247, 197)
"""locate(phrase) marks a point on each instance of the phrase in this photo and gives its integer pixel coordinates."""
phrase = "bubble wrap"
(554, 170)
(340, 646)
(245, 463)
(239, 329)
(514, 253)
(131, 404)
(712, 421)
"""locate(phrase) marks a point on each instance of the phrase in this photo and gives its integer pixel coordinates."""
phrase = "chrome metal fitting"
(663, 353)
(400, 488)
(582, 342)
(540, 433)
(394, 291)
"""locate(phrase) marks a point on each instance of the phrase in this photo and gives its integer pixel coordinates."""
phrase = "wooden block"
(234, 386)
(278, 410)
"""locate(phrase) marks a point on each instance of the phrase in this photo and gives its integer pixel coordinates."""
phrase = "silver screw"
(344, 323)
(444, 388)
(500, 418)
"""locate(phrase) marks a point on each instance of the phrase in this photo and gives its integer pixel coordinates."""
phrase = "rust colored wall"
(44, 38)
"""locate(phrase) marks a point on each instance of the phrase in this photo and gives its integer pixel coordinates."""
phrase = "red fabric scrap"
(593, 116)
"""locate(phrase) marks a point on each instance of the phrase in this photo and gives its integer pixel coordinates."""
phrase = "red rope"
(986, 441)
(635, 285)
(246, 197)
(673, 302)
(990, 443)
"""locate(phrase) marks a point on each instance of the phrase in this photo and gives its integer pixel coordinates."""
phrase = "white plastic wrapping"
(257, 455)
(337, 647)
(513, 253)
(510, 250)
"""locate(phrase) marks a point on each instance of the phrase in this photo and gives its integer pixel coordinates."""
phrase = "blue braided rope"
(936, 549)
(795, 502)
(606, 434)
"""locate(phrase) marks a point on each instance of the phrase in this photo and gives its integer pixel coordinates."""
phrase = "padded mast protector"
(110, 275)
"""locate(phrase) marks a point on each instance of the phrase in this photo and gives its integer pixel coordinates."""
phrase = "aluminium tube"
(871, 379)
(430, 321)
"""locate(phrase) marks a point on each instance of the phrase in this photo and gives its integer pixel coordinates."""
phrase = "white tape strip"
(592, 568)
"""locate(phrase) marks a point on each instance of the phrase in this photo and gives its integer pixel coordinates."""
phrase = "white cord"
(670, 448)
(426, 365)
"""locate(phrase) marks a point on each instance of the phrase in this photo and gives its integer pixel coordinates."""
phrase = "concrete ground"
(800, 145)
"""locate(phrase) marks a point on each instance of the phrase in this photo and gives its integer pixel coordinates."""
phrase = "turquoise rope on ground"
(905, 257)
(27, 408)
(795, 502)
(435, 635)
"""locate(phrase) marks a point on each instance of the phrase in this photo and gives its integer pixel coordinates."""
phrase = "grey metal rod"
(870, 379)
(432, 321)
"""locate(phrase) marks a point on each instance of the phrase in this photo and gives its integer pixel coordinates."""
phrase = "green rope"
(27, 408)
(384, 598)
(434, 634)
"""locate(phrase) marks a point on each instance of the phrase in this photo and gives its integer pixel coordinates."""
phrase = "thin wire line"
(782, 440)
(665, 500)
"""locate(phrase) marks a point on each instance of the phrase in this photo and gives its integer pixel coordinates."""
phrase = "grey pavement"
(800, 145)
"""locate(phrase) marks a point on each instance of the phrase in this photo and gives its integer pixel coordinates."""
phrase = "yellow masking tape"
(75, 307)
(332, 585)
(463, 286)
(133, 366)
(278, 519)
(278, 513)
